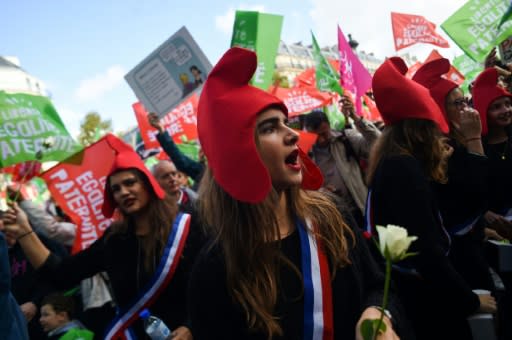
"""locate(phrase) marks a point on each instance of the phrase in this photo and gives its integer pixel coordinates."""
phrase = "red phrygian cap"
(430, 76)
(485, 91)
(226, 121)
(125, 158)
(399, 98)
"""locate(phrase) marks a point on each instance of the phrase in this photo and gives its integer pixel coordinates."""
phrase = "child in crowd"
(56, 319)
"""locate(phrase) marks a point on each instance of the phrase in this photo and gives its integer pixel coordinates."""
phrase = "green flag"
(327, 80)
(261, 33)
(469, 68)
(26, 123)
(474, 26)
(506, 16)
(335, 116)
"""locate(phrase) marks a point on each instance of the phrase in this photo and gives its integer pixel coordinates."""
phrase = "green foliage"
(92, 128)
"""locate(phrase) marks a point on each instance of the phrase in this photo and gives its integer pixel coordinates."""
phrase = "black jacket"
(214, 315)
(439, 298)
(121, 256)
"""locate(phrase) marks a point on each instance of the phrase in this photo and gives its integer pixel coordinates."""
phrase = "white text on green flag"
(474, 27)
(25, 122)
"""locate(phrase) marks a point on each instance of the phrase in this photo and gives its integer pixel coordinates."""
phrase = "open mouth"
(292, 160)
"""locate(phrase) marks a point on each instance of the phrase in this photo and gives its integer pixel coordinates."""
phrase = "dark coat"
(462, 202)
(500, 180)
(435, 295)
(215, 316)
(121, 256)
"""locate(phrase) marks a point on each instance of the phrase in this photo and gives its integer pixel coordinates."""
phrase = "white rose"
(396, 240)
(48, 142)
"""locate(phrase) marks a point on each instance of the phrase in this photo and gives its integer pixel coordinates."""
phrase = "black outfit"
(215, 315)
(462, 202)
(122, 257)
(26, 287)
(500, 179)
(500, 202)
(437, 299)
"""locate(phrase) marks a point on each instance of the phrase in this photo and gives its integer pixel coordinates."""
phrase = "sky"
(81, 49)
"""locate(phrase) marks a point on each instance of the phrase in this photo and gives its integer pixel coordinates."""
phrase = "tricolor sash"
(368, 213)
(318, 309)
(119, 328)
(465, 227)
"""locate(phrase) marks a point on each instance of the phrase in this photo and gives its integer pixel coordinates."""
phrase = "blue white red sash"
(119, 328)
(368, 213)
(318, 309)
(465, 227)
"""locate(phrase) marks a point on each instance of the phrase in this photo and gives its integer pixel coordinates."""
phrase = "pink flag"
(354, 76)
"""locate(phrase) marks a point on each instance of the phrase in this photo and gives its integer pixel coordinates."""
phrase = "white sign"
(173, 71)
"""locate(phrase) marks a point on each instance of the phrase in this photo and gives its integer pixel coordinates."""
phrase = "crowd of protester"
(268, 241)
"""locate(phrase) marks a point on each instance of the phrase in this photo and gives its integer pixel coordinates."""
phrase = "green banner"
(261, 33)
(31, 129)
(474, 27)
(469, 68)
(327, 80)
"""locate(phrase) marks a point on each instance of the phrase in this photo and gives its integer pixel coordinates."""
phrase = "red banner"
(410, 29)
(301, 100)
(180, 123)
(78, 190)
(453, 75)
(23, 172)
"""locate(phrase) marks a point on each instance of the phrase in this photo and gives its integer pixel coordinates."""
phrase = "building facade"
(293, 59)
(14, 79)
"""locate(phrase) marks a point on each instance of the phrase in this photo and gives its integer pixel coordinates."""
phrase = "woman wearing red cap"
(495, 107)
(463, 199)
(147, 254)
(410, 154)
(283, 264)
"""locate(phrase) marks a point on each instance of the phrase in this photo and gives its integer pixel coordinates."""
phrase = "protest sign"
(301, 99)
(260, 32)
(506, 50)
(474, 27)
(78, 190)
(26, 121)
(409, 29)
(180, 123)
(172, 72)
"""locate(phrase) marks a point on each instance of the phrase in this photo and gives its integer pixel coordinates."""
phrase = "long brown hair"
(419, 138)
(161, 212)
(245, 234)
